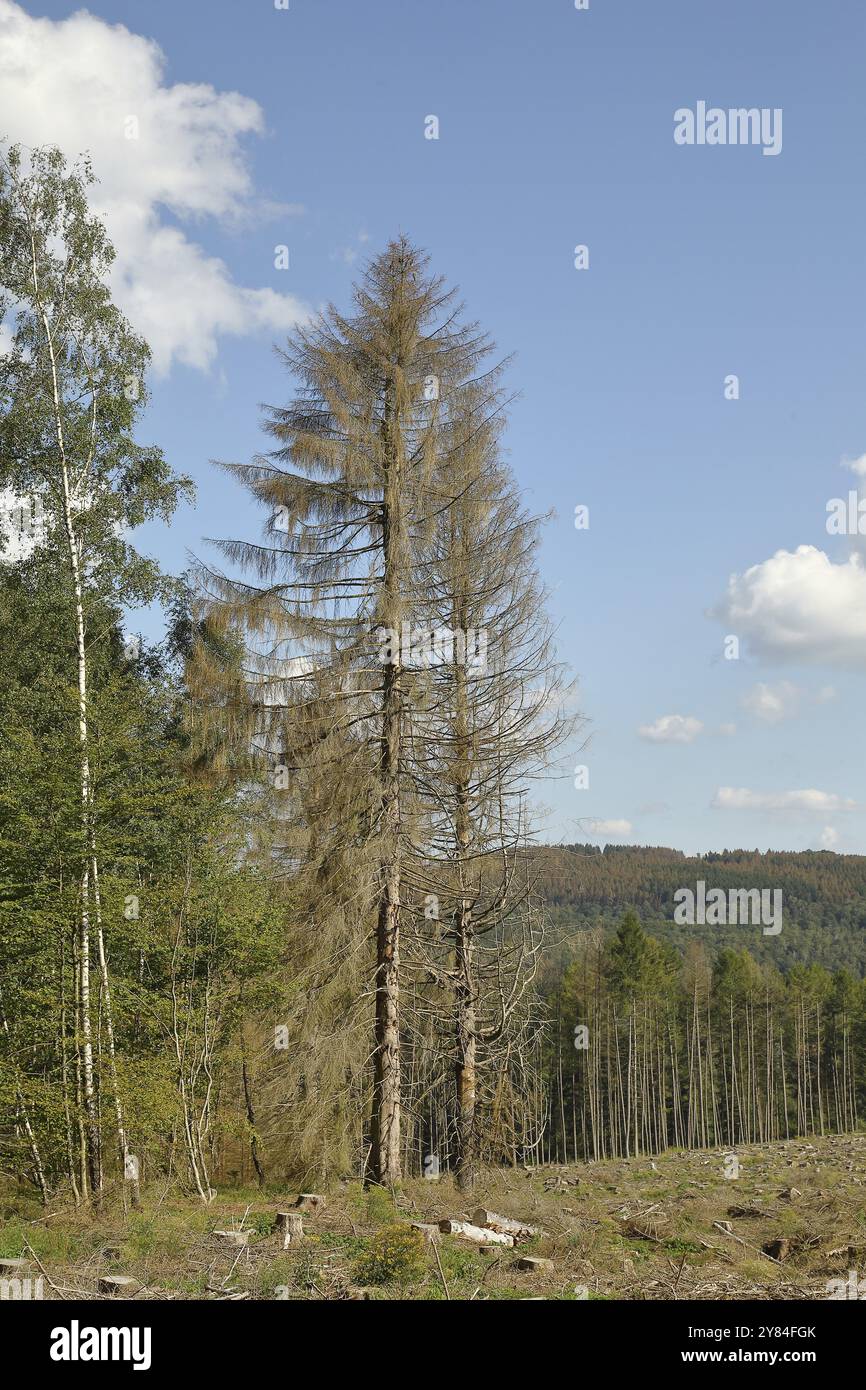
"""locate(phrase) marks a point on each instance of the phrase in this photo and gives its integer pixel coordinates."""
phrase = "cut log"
(236, 1238)
(429, 1230)
(504, 1224)
(532, 1262)
(477, 1234)
(118, 1285)
(14, 1268)
(289, 1227)
(310, 1201)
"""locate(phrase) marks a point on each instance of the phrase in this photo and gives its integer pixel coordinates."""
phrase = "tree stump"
(236, 1238)
(118, 1285)
(289, 1227)
(310, 1201)
(777, 1249)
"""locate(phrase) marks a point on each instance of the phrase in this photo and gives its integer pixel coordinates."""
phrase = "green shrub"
(394, 1255)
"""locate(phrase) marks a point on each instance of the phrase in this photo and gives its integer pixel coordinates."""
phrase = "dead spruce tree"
(495, 715)
(347, 488)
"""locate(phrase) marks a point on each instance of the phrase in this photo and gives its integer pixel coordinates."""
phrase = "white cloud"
(75, 83)
(829, 837)
(799, 606)
(772, 703)
(672, 728)
(810, 800)
(612, 829)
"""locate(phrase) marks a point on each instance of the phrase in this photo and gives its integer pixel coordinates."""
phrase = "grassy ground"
(638, 1229)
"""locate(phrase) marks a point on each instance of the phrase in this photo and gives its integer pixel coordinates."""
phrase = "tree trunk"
(466, 1055)
(385, 1156)
(248, 1102)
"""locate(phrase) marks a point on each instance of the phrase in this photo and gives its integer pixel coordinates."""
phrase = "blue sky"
(556, 129)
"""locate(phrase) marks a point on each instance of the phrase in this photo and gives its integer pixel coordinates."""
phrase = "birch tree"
(72, 386)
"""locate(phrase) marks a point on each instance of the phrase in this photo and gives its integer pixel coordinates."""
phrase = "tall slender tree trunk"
(128, 1163)
(64, 1072)
(385, 1157)
(466, 1057)
(84, 930)
(251, 1116)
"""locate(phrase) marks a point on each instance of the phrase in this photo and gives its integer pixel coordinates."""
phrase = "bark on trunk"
(466, 1056)
(385, 1157)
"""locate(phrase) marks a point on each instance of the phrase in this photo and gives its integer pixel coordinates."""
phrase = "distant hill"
(824, 897)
